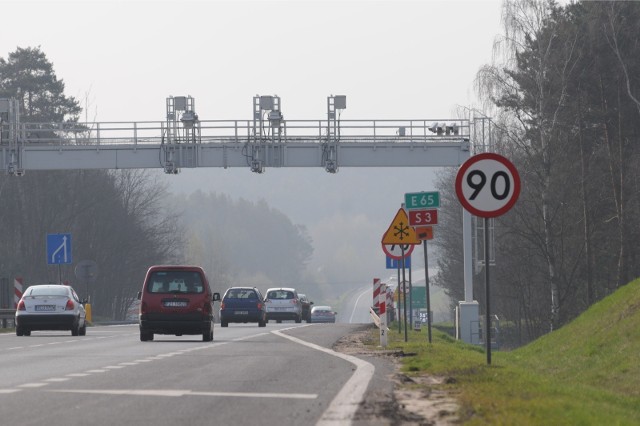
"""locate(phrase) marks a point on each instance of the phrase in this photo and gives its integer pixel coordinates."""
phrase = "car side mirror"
(311, 303)
(216, 297)
(139, 295)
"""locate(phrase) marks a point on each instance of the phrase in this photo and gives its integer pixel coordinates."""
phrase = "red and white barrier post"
(383, 315)
(376, 294)
(17, 291)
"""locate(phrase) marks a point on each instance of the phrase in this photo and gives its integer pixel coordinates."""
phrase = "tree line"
(125, 220)
(564, 96)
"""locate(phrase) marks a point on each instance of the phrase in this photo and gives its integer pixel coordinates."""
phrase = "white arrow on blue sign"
(58, 249)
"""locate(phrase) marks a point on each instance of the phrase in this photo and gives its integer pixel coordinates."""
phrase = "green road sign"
(419, 297)
(421, 200)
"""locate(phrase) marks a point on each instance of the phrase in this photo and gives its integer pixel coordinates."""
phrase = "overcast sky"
(392, 59)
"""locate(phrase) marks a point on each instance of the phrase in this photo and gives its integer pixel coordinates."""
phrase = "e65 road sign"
(421, 200)
(487, 185)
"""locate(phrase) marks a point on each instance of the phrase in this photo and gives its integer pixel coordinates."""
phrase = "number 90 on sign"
(487, 185)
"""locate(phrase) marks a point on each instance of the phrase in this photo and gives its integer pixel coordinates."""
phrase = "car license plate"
(47, 308)
(242, 312)
(175, 304)
(281, 309)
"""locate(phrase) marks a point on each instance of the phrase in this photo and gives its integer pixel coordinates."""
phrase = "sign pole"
(426, 281)
(404, 295)
(487, 333)
(410, 300)
(399, 302)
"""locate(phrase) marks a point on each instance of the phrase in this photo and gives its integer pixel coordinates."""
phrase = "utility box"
(468, 322)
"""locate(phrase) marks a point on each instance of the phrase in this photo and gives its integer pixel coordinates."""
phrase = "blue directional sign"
(395, 263)
(58, 249)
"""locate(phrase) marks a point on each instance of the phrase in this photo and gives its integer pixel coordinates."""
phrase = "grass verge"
(586, 373)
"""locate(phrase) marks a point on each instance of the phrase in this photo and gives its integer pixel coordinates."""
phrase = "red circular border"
(407, 253)
(488, 156)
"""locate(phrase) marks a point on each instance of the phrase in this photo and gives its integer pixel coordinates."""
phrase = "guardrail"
(234, 131)
(7, 317)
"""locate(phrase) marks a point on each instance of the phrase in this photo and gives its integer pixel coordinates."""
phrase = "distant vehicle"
(306, 307)
(283, 303)
(176, 300)
(243, 304)
(50, 307)
(323, 314)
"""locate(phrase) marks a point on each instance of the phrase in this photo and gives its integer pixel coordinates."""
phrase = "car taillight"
(69, 306)
(222, 306)
(206, 308)
(259, 305)
(143, 308)
(294, 301)
(21, 306)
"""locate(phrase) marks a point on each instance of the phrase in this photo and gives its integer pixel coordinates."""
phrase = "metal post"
(399, 301)
(426, 282)
(487, 331)
(410, 300)
(404, 293)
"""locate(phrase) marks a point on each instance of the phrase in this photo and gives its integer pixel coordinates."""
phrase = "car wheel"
(279, 321)
(75, 330)
(207, 335)
(145, 336)
(83, 330)
(19, 331)
(262, 323)
(224, 324)
(298, 320)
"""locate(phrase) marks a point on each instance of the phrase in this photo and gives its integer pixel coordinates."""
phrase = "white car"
(50, 307)
(283, 303)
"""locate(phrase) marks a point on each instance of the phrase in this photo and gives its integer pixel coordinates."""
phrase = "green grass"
(586, 373)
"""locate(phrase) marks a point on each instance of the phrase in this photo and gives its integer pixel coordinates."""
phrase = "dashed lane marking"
(177, 392)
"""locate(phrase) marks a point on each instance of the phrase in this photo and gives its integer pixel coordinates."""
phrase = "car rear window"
(241, 294)
(48, 291)
(280, 294)
(175, 282)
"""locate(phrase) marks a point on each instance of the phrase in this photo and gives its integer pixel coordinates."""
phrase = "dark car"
(306, 307)
(176, 300)
(243, 304)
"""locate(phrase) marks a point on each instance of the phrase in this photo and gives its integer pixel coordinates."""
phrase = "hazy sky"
(392, 59)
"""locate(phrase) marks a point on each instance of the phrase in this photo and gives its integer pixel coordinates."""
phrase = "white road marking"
(57, 379)
(78, 375)
(177, 392)
(9, 390)
(344, 405)
(96, 371)
(355, 305)
(32, 385)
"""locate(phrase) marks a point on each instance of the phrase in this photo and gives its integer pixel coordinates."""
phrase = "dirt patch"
(415, 400)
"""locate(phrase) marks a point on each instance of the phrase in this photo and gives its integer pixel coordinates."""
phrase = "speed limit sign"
(487, 185)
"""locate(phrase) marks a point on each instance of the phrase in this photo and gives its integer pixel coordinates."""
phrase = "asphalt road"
(284, 374)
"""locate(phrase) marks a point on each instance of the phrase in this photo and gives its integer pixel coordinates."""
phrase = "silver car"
(323, 314)
(283, 303)
(50, 307)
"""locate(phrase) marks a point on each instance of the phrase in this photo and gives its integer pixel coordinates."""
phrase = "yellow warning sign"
(399, 231)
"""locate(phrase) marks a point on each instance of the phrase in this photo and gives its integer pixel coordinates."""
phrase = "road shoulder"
(394, 398)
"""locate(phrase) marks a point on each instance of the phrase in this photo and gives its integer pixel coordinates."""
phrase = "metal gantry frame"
(266, 140)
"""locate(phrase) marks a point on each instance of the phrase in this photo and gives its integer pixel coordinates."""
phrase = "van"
(176, 300)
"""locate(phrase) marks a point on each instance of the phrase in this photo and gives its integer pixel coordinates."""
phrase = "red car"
(176, 300)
